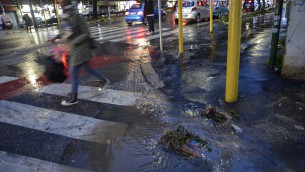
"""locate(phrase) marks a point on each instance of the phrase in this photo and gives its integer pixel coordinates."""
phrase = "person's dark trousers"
(150, 19)
(27, 28)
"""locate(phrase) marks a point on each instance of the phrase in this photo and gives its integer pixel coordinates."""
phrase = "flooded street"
(157, 92)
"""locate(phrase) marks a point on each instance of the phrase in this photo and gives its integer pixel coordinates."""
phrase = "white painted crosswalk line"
(16, 163)
(60, 123)
(112, 32)
(109, 96)
(146, 38)
(124, 34)
(105, 30)
(4, 79)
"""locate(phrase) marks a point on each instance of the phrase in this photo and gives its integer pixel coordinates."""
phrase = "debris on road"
(184, 143)
(298, 127)
(236, 128)
(212, 114)
(222, 103)
(234, 113)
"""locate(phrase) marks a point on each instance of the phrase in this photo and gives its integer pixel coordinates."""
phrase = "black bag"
(55, 70)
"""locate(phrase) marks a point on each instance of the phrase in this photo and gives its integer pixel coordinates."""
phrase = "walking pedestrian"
(77, 37)
(149, 13)
(28, 22)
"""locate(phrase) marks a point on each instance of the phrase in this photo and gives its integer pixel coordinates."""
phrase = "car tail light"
(140, 13)
(126, 13)
(194, 9)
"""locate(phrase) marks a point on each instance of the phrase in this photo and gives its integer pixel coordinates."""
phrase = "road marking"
(138, 41)
(148, 37)
(109, 96)
(124, 34)
(14, 162)
(4, 79)
(93, 31)
(125, 31)
(60, 123)
(97, 30)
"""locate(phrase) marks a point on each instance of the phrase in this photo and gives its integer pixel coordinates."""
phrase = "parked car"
(248, 6)
(50, 21)
(39, 22)
(136, 14)
(269, 4)
(193, 10)
(6, 22)
(220, 8)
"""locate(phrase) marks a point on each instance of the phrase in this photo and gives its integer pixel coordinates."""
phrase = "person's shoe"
(71, 100)
(104, 83)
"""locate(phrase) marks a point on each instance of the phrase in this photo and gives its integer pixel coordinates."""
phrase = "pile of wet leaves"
(219, 117)
(212, 114)
(184, 143)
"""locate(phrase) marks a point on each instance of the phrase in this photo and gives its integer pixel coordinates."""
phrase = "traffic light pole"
(275, 34)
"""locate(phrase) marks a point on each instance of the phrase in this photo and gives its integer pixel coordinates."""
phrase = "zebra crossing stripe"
(14, 162)
(137, 41)
(106, 29)
(121, 35)
(60, 123)
(111, 32)
(116, 97)
(4, 79)
(155, 36)
(131, 32)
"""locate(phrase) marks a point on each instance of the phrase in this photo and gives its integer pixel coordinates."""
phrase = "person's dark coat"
(80, 41)
(27, 20)
(149, 7)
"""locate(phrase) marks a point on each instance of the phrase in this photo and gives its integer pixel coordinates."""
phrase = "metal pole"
(180, 20)
(275, 34)
(233, 51)
(211, 16)
(32, 14)
(108, 10)
(3, 12)
(160, 25)
(44, 16)
(56, 12)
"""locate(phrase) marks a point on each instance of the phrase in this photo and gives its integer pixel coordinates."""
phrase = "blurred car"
(220, 8)
(50, 21)
(136, 14)
(248, 6)
(39, 22)
(6, 22)
(193, 10)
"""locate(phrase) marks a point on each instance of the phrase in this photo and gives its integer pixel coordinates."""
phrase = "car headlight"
(126, 13)
(140, 13)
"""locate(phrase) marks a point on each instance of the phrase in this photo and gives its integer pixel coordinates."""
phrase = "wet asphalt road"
(176, 89)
